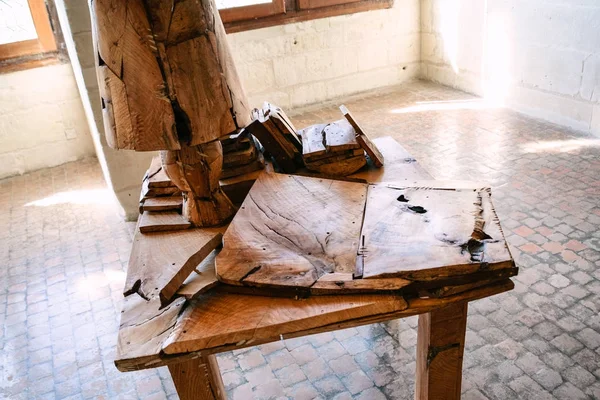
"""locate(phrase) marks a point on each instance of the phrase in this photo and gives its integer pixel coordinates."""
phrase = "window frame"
(297, 11)
(235, 14)
(44, 43)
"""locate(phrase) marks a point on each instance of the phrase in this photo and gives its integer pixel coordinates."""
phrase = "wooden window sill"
(293, 16)
(29, 62)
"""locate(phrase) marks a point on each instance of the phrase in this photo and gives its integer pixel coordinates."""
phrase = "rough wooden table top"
(217, 321)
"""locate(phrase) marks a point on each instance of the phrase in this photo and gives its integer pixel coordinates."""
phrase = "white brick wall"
(542, 57)
(309, 62)
(42, 123)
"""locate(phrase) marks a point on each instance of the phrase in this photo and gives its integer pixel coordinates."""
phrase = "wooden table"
(186, 335)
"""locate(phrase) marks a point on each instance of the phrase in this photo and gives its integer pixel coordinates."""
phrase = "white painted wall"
(42, 123)
(309, 62)
(541, 57)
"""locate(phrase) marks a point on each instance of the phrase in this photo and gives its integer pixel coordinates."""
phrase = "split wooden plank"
(337, 283)
(155, 167)
(363, 139)
(209, 325)
(201, 280)
(160, 262)
(209, 322)
(291, 230)
(276, 137)
(162, 221)
(338, 167)
(428, 234)
(237, 187)
(256, 165)
(239, 157)
(235, 142)
(128, 50)
(167, 203)
(143, 328)
(195, 72)
(333, 157)
(283, 124)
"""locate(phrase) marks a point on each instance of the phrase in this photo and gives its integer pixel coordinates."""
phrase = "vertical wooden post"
(440, 348)
(198, 379)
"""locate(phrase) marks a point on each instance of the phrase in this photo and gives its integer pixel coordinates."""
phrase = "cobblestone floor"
(63, 253)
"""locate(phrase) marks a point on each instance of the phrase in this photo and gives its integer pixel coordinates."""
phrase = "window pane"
(16, 23)
(221, 4)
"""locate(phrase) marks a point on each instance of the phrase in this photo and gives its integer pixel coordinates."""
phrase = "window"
(25, 31)
(241, 15)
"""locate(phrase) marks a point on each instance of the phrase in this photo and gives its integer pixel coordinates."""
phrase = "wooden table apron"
(218, 321)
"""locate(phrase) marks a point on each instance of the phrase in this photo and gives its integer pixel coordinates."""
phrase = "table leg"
(198, 379)
(440, 347)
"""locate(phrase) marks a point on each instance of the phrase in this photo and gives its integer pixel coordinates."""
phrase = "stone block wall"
(308, 62)
(42, 123)
(540, 57)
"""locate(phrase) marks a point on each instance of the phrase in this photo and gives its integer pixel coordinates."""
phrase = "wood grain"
(362, 138)
(169, 203)
(266, 318)
(198, 379)
(424, 233)
(143, 329)
(338, 167)
(160, 262)
(198, 86)
(126, 47)
(291, 230)
(208, 325)
(201, 279)
(151, 221)
(440, 348)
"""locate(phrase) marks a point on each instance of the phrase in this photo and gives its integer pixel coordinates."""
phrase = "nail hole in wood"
(417, 209)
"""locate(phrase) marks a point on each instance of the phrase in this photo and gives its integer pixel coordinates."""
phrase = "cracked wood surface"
(143, 329)
(143, 116)
(291, 230)
(430, 232)
(208, 325)
(265, 319)
(365, 142)
(282, 317)
(160, 262)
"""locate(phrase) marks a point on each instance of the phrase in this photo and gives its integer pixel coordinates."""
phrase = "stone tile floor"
(64, 250)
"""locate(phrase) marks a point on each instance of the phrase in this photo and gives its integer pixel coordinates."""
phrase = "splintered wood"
(332, 149)
(291, 230)
(277, 135)
(240, 156)
(160, 262)
(363, 139)
(293, 234)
